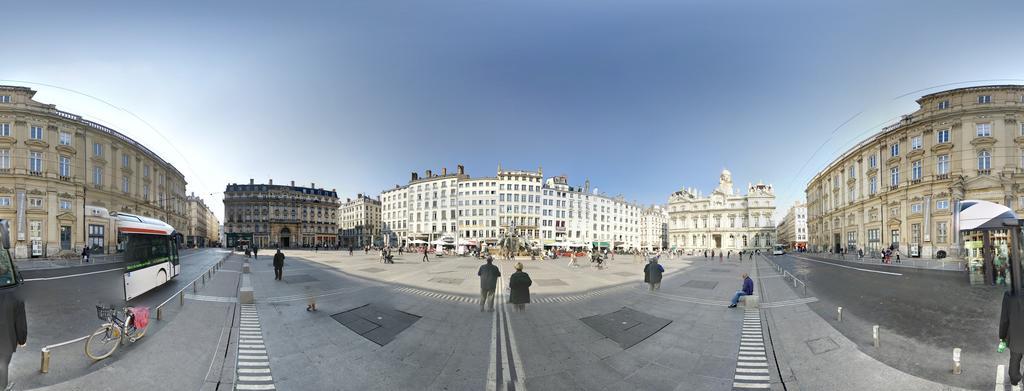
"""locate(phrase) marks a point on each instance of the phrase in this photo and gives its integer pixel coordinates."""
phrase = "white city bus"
(779, 249)
(150, 249)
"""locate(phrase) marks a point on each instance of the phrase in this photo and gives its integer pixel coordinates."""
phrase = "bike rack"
(44, 364)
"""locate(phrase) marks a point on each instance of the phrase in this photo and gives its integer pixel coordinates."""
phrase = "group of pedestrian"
(385, 255)
(519, 286)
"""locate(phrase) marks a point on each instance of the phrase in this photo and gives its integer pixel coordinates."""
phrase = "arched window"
(984, 160)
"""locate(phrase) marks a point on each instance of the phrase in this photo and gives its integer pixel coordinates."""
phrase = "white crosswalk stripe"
(253, 361)
(751, 361)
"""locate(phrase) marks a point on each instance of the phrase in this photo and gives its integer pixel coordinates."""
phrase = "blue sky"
(641, 97)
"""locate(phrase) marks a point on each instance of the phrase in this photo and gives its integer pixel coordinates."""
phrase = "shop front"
(990, 235)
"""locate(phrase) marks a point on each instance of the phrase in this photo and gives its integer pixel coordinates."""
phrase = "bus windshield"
(7, 277)
(145, 250)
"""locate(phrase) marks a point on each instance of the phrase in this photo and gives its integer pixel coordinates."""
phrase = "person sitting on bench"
(748, 289)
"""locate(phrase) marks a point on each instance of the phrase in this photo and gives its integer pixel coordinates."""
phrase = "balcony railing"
(915, 181)
(987, 171)
(65, 178)
(941, 177)
(35, 173)
(893, 187)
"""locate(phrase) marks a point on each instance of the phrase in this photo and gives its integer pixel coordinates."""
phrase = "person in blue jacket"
(748, 289)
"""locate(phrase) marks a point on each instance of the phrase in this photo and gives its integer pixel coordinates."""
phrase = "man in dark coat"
(519, 283)
(255, 251)
(652, 274)
(1011, 333)
(278, 264)
(748, 289)
(488, 283)
(13, 324)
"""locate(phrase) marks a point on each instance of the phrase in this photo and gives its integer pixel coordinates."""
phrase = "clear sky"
(641, 97)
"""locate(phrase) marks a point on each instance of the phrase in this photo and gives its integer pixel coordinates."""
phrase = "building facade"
(285, 216)
(899, 188)
(543, 212)
(198, 233)
(654, 229)
(723, 220)
(792, 230)
(393, 217)
(53, 164)
(359, 222)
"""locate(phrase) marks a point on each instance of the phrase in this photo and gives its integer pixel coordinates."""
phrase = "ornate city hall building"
(899, 188)
(270, 215)
(61, 173)
(724, 219)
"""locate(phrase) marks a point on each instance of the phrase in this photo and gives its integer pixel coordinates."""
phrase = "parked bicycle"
(113, 333)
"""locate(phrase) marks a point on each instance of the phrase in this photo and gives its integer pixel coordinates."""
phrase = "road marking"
(70, 275)
(252, 358)
(848, 267)
(751, 361)
(1001, 378)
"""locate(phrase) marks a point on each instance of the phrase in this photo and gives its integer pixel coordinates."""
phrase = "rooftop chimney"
(428, 174)
(415, 176)
(251, 181)
(359, 195)
(444, 171)
(462, 170)
(312, 185)
(270, 182)
(293, 183)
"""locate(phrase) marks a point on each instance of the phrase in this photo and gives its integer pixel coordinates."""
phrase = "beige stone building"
(359, 222)
(393, 215)
(269, 215)
(202, 224)
(899, 188)
(792, 230)
(654, 229)
(723, 220)
(53, 164)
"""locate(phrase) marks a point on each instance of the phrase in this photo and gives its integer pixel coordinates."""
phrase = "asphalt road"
(61, 307)
(923, 315)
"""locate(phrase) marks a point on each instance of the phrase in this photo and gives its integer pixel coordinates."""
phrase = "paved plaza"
(414, 325)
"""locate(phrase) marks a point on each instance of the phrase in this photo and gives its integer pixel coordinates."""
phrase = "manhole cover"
(376, 323)
(626, 274)
(551, 282)
(627, 326)
(447, 280)
(822, 345)
(700, 284)
(298, 279)
(373, 270)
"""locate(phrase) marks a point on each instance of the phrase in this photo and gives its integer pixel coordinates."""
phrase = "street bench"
(750, 301)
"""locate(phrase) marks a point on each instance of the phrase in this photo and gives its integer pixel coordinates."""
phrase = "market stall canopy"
(977, 214)
(417, 241)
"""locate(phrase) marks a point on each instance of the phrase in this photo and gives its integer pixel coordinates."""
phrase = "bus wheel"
(161, 277)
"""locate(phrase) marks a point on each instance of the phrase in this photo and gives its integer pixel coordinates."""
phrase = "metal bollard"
(159, 313)
(794, 281)
(875, 332)
(194, 288)
(805, 289)
(956, 361)
(44, 364)
(181, 298)
(840, 314)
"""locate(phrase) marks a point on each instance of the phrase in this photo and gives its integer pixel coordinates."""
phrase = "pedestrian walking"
(256, 252)
(519, 288)
(278, 265)
(425, 258)
(748, 289)
(13, 323)
(1011, 333)
(488, 283)
(719, 256)
(85, 254)
(652, 274)
(248, 251)
(350, 249)
(572, 260)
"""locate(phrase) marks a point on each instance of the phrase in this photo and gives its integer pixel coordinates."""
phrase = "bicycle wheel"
(103, 342)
